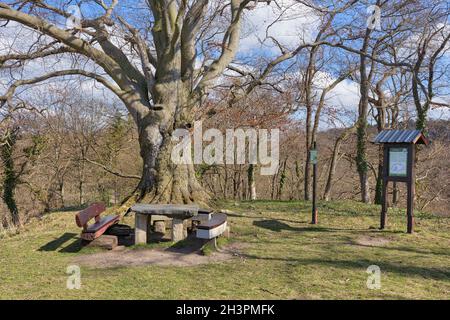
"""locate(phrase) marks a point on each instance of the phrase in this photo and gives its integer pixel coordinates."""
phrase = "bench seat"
(106, 220)
(98, 228)
(213, 227)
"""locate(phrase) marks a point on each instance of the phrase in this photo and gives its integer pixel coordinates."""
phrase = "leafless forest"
(87, 109)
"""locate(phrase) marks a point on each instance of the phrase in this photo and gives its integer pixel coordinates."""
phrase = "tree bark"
(282, 180)
(361, 156)
(10, 177)
(164, 181)
(307, 180)
(61, 191)
(334, 160)
(332, 169)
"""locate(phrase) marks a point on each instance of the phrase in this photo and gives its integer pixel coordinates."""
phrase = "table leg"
(140, 232)
(178, 233)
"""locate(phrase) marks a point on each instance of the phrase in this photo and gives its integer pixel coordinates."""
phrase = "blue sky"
(298, 24)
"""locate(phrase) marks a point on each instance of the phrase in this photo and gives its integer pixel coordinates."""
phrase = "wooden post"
(314, 193)
(384, 206)
(399, 166)
(384, 193)
(411, 189)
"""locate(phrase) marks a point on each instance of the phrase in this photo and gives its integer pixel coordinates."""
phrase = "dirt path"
(179, 257)
(372, 241)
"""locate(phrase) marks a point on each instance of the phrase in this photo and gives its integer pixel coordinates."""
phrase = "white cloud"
(345, 94)
(288, 23)
(17, 39)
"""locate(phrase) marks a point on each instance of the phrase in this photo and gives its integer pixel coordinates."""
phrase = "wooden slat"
(100, 229)
(87, 214)
(100, 223)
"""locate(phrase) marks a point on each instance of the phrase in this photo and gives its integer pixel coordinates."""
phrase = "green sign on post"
(313, 156)
(398, 162)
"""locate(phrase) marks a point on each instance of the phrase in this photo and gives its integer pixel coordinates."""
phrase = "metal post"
(314, 195)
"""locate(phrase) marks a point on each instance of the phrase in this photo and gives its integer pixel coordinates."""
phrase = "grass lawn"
(282, 257)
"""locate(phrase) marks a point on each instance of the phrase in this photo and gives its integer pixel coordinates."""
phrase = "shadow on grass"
(259, 217)
(74, 247)
(362, 264)
(189, 245)
(443, 252)
(54, 245)
(57, 243)
(278, 226)
(334, 210)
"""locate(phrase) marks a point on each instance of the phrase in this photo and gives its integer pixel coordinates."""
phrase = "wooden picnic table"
(178, 214)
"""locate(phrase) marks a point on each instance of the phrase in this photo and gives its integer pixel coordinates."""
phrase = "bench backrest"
(87, 214)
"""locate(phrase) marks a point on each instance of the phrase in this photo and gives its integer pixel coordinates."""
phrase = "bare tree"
(162, 92)
(427, 72)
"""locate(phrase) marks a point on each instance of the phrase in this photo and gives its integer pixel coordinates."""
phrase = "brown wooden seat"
(213, 227)
(95, 230)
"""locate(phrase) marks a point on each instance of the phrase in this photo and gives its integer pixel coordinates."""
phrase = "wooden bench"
(95, 230)
(213, 227)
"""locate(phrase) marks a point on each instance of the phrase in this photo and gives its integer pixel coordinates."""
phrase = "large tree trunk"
(361, 150)
(164, 181)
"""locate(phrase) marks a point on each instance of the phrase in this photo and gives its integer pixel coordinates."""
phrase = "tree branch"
(10, 92)
(109, 170)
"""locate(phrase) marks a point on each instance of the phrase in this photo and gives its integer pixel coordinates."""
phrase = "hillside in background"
(102, 163)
